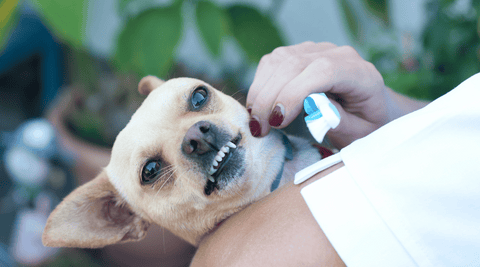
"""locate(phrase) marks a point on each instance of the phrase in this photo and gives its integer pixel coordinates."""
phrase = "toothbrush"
(322, 116)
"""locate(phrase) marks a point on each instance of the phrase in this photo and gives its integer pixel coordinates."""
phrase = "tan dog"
(185, 161)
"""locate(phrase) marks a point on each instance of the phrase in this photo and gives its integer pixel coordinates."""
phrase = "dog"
(185, 161)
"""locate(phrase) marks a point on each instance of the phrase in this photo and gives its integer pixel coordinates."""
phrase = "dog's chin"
(231, 168)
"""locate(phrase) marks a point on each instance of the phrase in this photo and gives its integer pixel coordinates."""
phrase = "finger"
(311, 47)
(324, 74)
(265, 101)
(311, 80)
(330, 74)
(266, 67)
(269, 64)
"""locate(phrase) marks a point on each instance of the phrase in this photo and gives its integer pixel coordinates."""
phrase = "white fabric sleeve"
(409, 193)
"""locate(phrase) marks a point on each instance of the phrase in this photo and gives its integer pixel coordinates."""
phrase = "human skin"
(278, 230)
(285, 77)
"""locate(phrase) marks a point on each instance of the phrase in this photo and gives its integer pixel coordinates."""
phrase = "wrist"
(399, 105)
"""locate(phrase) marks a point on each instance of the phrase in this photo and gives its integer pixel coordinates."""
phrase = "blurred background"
(69, 70)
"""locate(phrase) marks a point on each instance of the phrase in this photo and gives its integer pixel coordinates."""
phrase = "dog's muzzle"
(211, 148)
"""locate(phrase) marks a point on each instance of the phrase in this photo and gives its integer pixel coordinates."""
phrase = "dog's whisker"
(167, 172)
(239, 98)
(170, 167)
(237, 92)
(169, 177)
(171, 171)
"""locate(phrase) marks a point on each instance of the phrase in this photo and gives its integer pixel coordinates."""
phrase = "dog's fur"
(117, 207)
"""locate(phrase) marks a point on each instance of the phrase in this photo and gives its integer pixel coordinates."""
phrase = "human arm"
(285, 77)
(399, 105)
(278, 230)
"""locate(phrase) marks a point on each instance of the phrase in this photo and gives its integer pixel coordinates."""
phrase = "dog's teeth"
(218, 158)
(232, 145)
(211, 179)
(211, 171)
(215, 163)
(225, 149)
(221, 154)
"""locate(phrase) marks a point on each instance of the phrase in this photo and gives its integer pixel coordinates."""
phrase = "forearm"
(399, 105)
(278, 230)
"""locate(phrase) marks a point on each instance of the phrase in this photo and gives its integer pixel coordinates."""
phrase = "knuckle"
(327, 44)
(280, 51)
(264, 60)
(370, 66)
(294, 61)
(374, 71)
(349, 50)
(307, 43)
(324, 63)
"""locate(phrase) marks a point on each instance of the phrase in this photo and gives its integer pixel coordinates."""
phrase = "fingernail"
(277, 116)
(255, 127)
(249, 109)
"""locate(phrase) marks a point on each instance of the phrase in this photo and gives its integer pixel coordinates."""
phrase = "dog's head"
(186, 160)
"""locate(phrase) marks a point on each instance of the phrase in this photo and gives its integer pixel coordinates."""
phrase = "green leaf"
(255, 33)
(476, 6)
(213, 25)
(8, 19)
(379, 8)
(126, 8)
(122, 6)
(351, 19)
(446, 3)
(67, 18)
(414, 84)
(147, 43)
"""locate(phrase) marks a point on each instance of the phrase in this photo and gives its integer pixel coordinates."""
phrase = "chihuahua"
(185, 161)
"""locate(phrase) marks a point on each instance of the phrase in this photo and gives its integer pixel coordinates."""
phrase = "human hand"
(285, 77)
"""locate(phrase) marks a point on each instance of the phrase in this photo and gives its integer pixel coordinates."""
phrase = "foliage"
(8, 18)
(256, 33)
(146, 43)
(66, 18)
(450, 46)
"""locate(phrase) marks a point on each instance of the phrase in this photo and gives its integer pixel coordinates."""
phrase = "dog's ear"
(148, 84)
(93, 216)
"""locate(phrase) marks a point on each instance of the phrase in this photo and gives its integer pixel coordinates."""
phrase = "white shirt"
(409, 193)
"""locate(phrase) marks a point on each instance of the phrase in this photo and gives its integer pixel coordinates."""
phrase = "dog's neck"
(288, 156)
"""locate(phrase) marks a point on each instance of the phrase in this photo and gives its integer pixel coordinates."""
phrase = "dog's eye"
(151, 171)
(199, 96)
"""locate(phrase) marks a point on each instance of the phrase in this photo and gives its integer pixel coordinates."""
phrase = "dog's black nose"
(199, 138)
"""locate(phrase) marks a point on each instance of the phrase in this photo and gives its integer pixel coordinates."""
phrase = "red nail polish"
(276, 117)
(249, 109)
(255, 127)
